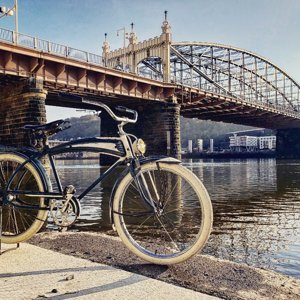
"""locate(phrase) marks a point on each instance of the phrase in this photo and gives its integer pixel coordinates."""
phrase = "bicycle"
(160, 210)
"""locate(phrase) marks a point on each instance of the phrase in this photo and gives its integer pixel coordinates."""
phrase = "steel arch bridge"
(209, 81)
(238, 86)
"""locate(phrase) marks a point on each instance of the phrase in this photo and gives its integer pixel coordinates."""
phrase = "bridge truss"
(231, 72)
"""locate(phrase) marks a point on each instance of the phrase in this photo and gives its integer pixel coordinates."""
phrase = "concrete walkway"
(31, 272)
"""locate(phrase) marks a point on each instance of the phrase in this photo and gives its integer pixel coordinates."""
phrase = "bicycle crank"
(65, 212)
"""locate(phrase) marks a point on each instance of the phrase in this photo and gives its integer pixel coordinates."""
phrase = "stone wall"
(21, 103)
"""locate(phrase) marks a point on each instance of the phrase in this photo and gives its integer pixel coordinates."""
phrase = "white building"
(252, 143)
(211, 145)
(190, 146)
(243, 143)
(200, 145)
(267, 142)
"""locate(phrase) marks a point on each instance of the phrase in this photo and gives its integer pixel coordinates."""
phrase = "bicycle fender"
(164, 159)
(36, 163)
(44, 175)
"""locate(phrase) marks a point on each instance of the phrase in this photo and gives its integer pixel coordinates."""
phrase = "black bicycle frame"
(106, 146)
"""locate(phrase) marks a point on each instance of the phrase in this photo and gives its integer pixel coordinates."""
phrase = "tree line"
(191, 129)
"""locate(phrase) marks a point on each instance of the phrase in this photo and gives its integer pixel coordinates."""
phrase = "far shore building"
(251, 143)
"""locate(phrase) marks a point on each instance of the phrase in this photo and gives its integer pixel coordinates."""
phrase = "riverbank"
(202, 273)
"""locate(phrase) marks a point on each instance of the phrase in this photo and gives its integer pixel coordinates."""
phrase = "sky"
(269, 28)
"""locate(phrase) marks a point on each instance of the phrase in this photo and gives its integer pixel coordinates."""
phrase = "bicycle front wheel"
(21, 215)
(182, 223)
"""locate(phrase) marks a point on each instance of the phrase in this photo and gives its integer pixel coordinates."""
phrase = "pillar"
(21, 103)
(190, 146)
(158, 125)
(288, 143)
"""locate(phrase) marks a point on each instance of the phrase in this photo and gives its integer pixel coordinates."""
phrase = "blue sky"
(267, 27)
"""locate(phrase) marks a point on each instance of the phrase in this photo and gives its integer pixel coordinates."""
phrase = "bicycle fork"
(145, 187)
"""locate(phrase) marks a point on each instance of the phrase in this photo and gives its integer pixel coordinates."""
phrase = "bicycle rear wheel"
(182, 224)
(20, 223)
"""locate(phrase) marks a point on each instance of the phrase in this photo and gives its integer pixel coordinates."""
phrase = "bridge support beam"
(21, 103)
(158, 125)
(288, 143)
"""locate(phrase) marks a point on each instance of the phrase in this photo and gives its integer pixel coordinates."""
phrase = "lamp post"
(125, 34)
(10, 12)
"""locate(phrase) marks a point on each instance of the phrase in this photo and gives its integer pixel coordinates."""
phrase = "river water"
(256, 206)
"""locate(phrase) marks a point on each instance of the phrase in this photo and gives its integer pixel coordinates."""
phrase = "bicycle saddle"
(45, 127)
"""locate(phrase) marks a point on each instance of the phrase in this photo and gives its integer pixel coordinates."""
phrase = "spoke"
(189, 188)
(22, 220)
(165, 203)
(2, 173)
(141, 224)
(7, 228)
(28, 221)
(192, 208)
(15, 221)
(132, 192)
(133, 185)
(131, 200)
(168, 221)
(173, 242)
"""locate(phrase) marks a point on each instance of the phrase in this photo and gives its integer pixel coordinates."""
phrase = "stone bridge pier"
(288, 143)
(158, 125)
(22, 102)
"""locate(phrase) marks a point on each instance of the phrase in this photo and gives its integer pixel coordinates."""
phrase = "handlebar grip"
(125, 109)
(122, 109)
(130, 111)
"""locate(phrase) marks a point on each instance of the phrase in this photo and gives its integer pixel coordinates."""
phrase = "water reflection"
(256, 208)
(95, 206)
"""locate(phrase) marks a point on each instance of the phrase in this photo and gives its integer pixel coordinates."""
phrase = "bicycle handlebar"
(112, 114)
(79, 99)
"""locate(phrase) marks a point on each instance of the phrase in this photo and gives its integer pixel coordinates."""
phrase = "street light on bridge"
(10, 12)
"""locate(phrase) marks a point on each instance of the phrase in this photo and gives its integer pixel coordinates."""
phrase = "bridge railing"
(27, 41)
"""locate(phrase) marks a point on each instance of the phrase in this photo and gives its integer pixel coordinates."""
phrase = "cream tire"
(204, 203)
(41, 215)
